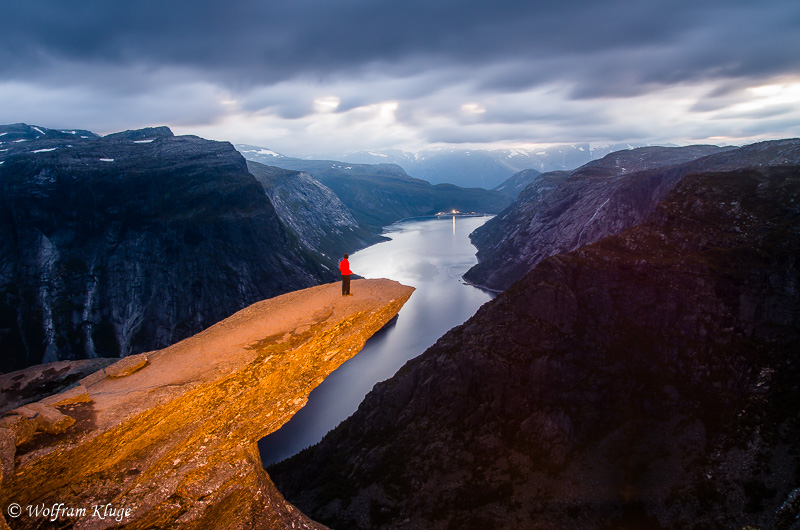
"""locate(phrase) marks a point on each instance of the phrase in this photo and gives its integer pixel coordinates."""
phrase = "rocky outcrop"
(563, 211)
(648, 380)
(313, 213)
(130, 242)
(168, 438)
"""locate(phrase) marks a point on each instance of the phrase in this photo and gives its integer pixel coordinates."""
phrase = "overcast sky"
(327, 76)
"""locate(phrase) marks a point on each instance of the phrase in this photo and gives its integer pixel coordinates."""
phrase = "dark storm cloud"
(603, 48)
(368, 74)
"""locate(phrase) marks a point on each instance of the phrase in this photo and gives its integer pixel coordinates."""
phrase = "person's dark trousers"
(345, 284)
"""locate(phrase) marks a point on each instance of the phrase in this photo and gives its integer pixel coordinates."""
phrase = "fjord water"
(429, 254)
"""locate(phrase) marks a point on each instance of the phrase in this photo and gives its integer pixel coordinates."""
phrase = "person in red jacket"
(344, 268)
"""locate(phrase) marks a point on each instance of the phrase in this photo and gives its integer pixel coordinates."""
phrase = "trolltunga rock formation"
(168, 438)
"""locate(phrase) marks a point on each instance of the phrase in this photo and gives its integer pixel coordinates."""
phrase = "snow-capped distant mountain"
(259, 154)
(469, 168)
(483, 168)
(17, 134)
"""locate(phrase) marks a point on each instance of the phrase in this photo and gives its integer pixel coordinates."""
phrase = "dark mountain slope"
(649, 380)
(567, 210)
(130, 242)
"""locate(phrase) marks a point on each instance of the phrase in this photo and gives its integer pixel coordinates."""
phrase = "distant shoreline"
(460, 214)
(440, 215)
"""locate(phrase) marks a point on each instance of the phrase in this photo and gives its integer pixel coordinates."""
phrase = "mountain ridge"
(473, 168)
(562, 211)
(488, 168)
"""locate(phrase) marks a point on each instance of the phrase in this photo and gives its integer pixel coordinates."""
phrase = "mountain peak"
(144, 134)
(258, 154)
(22, 132)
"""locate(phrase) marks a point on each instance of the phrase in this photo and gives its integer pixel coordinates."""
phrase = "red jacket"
(344, 267)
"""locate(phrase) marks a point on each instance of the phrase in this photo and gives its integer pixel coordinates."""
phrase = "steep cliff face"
(313, 213)
(649, 380)
(168, 438)
(117, 245)
(561, 212)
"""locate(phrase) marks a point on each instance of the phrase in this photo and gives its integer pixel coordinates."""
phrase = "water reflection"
(427, 254)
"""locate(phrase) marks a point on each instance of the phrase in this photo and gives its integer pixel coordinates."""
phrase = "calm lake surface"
(430, 254)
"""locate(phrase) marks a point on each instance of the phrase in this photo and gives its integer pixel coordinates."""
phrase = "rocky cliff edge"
(168, 438)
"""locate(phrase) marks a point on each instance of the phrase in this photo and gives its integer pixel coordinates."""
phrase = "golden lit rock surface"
(170, 439)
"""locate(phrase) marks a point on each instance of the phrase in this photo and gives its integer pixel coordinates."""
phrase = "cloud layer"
(324, 76)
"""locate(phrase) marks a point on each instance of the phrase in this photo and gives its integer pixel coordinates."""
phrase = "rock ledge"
(169, 438)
